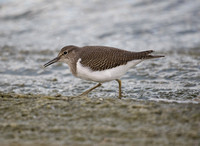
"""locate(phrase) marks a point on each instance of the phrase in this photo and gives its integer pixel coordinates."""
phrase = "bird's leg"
(89, 90)
(120, 88)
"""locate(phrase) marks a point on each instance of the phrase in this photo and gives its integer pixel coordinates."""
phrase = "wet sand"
(45, 120)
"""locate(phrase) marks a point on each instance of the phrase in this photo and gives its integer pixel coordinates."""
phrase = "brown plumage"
(99, 58)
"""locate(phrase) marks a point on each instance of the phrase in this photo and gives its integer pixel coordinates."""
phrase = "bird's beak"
(52, 61)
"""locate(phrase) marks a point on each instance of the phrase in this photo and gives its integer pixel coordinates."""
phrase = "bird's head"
(66, 54)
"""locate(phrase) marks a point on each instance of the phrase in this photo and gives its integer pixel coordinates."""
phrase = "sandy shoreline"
(46, 120)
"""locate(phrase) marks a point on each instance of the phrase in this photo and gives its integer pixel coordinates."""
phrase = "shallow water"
(32, 33)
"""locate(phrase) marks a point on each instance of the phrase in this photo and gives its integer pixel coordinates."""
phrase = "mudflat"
(30, 119)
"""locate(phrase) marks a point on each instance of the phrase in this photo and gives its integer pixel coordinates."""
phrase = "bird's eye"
(65, 52)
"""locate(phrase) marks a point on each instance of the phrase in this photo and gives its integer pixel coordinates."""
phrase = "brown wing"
(100, 57)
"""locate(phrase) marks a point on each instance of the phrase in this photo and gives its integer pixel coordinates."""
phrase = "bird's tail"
(146, 55)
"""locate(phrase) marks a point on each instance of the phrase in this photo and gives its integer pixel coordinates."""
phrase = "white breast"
(105, 75)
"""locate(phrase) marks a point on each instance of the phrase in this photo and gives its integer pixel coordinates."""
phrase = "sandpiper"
(100, 63)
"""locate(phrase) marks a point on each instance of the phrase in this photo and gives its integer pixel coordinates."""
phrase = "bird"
(100, 63)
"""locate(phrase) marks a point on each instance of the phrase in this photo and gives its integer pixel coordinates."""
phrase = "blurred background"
(32, 32)
(161, 96)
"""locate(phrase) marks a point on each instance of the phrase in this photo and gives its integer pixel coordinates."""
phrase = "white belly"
(105, 75)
